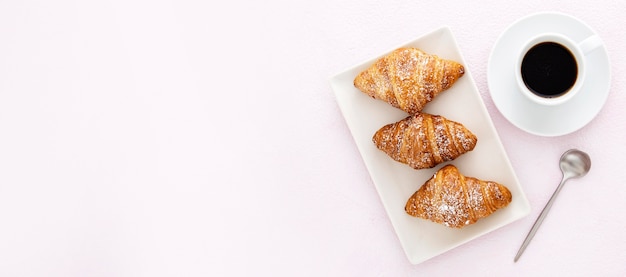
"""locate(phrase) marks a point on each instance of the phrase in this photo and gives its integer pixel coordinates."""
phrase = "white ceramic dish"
(396, 182)
(528, 115)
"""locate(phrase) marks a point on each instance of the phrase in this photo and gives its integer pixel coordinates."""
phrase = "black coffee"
(549, 69)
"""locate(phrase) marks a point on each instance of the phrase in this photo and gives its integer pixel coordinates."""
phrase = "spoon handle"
(539, 220)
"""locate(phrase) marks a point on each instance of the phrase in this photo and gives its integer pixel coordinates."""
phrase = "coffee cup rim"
(570, 45)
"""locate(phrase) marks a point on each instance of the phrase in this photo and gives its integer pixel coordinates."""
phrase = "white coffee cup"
(577, 49)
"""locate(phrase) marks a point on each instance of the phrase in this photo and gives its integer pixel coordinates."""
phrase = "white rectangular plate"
(396, 182)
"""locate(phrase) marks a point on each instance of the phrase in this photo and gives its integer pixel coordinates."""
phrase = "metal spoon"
(574, 163)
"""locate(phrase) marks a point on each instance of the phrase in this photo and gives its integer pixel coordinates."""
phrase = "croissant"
(408, 78)
(423, 140)
(455, 200)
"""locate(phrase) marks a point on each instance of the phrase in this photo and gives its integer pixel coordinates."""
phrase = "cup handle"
(589, 44)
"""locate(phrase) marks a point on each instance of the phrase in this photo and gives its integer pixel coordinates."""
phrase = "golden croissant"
(455, 200)
(423, 140)
(408, 78)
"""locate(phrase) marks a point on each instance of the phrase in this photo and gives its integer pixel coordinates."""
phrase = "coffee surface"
(549, 69)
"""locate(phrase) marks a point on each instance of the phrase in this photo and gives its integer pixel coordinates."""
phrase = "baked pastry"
(423, 140)
(455, 200)
(408, 78)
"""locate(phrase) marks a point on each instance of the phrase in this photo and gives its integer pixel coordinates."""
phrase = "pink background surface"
(192, 138)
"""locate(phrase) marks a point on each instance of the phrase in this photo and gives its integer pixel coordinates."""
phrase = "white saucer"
(528, 115)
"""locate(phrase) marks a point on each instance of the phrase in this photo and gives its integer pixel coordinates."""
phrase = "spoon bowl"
(575, 163)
